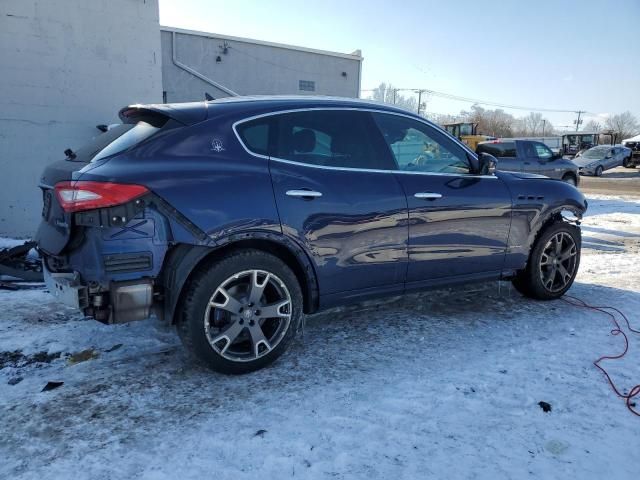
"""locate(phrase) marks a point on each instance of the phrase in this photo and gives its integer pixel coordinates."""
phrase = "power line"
(450, 96)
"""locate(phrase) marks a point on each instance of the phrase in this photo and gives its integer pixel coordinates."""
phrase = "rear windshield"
(130, 136)
(503, 149)
(117, 139)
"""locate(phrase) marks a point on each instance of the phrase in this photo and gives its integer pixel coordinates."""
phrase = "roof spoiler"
(159, 114)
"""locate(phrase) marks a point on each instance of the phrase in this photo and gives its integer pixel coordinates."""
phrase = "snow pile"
(440, 384)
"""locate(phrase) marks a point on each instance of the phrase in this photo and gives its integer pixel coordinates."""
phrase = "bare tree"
(490, 122)
(625, 125)
(593, 126)
(387, 93)
(533, 124)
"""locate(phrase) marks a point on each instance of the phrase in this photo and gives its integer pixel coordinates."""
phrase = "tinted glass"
(255, 135)
(543, 152)
(332, 138)
(140, 132)
(498, 150)
(419, 147)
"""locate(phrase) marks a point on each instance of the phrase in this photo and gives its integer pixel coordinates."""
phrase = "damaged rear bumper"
(123, 302)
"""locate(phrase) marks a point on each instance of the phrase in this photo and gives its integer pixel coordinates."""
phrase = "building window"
(307, 85)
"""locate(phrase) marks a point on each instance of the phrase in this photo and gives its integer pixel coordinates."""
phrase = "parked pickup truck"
(532, 157)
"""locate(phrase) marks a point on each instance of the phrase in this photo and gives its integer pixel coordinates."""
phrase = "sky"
(563, 54)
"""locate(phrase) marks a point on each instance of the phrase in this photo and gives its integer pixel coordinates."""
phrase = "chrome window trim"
(351, 169)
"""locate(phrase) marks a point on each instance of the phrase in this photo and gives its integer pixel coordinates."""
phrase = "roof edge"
(356, 55)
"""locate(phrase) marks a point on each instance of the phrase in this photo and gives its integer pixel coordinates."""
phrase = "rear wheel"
(553, 263)
(599, 171)
(241, 312)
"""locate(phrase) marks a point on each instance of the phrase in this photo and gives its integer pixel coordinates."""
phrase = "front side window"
(420, 148)
(543, 152)
(331, 138)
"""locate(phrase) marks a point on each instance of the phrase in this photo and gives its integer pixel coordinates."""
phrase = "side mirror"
(556, 156)
(487, 164)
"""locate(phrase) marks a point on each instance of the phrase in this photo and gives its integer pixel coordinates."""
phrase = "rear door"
(458, 222)
(338, 198)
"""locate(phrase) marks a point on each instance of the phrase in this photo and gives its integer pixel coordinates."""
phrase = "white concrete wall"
(252, 68)
(66, 66)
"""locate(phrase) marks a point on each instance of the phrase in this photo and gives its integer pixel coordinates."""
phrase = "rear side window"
(332, 138)
(255, 135)
(498, 150)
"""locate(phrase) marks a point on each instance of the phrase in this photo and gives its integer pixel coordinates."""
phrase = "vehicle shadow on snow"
(342, 349)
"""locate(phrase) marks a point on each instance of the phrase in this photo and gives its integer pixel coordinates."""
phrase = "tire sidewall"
(533, 274)
(203, 287)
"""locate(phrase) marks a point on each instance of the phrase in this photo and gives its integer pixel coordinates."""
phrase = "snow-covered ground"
(437, 385)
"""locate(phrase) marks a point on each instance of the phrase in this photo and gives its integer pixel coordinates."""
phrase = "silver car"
(598, 159)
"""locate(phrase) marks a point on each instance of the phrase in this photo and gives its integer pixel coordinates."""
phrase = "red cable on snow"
(635, 391)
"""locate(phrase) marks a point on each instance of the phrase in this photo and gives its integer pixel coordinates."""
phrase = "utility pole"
(544, 122)
(420, 92)
(578, 121)
(395, 91)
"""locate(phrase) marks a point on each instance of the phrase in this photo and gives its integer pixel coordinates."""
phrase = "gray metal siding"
(251, 69)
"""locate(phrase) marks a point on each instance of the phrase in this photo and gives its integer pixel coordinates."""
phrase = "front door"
(458, 222)
(339, 199)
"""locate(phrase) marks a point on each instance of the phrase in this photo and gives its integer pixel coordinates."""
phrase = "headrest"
(304, 141)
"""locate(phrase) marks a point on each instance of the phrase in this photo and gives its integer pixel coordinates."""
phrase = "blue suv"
(233, 218)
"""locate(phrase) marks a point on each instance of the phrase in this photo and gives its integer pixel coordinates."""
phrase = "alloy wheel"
(558, 262)
(248, 315)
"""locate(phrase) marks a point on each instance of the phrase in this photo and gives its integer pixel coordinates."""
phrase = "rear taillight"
(81, 195)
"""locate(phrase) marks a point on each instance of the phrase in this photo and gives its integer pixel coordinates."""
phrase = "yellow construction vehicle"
(466, 133)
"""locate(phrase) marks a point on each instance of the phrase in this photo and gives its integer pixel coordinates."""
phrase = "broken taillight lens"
(84, 195)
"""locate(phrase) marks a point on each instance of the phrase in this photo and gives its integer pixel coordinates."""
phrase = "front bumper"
(587, 170)
(123, 302)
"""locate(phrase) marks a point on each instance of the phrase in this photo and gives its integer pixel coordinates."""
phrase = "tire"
(532, 282)
(570, 179)
(599, 170)
(625, 162)
(222, 324)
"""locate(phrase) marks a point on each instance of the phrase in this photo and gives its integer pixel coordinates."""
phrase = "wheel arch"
(571, 214)
(183, 259)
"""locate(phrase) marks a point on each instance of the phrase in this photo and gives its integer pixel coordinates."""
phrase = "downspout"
(195, 73)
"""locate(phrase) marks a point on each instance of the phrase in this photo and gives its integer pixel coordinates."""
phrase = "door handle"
(304, 193)
(428, 195)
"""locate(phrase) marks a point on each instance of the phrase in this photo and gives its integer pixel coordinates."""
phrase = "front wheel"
(599, 171)
(553, 263)
(240, 312)
(570, 179)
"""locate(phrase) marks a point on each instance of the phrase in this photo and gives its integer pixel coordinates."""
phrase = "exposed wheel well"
(301, 267)
(304, 273)
(555, 217)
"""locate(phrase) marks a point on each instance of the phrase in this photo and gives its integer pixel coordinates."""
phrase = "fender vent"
(127, 262)
(530, 197)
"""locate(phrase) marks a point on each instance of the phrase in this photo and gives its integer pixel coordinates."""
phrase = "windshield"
(132, 136)
(596, 153)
